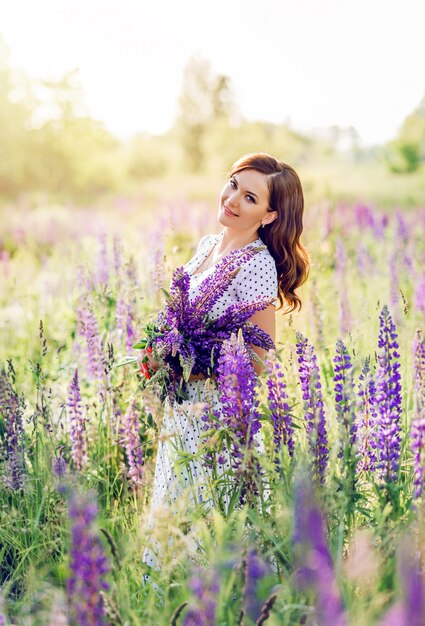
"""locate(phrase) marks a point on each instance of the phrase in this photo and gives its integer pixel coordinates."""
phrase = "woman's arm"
(267, 321)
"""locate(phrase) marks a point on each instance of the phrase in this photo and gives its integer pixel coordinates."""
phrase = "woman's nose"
(233, 198)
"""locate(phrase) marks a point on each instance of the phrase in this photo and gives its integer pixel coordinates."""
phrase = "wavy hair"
(282, 236)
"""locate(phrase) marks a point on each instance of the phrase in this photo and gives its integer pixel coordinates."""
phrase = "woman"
(260, 205)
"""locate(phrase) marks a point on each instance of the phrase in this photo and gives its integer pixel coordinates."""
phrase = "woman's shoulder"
(261, 260)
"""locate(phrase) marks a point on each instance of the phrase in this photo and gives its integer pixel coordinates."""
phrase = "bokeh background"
(107, 100)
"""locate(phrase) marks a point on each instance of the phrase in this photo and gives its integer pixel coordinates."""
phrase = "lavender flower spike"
(366, 411)
(88, 564)
(77, 423)
(315, 567)
(280, 410)
(417, 433)
(388, 398)
(313, 406)
(344, 396)
(131, 443)
(236, 384)
(205, 587)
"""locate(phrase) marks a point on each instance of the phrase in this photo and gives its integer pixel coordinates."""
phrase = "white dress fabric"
(181, 430)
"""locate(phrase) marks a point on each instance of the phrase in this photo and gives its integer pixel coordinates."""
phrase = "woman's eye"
(251, 198)
(232, 183)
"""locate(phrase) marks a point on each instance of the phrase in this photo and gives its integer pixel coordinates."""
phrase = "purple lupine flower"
(213, 287)
(131, 442)
(280, 410)
(236, 384)
(344, 308)
(117, 254)
(317, 315)
(205, 586)
(417, 433)
(90, 329)
(88, 564)
(77, 423)
(157, 256)
(314, 561)
(344, 396)
(410, 608)
(102, 261)
(420, 295)
(130, 333)
(313, 406)
(394, 285)
(59, 466)
(11, 407)
(364, 217)
(121, 314)
(366, 410)
(388, 398)
(255, 570)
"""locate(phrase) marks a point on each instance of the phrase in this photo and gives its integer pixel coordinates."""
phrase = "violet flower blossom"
(131, 442)
(255, 570)
(88, 564)
(77, 423)
(366, 411)
(11, 406)
(205, 586)
(313, 406)
(417, 433)
(102, 261)
(236, 385)
(344, 308)
(90, 329)
(186, 340)
(388, 398)
(314, 561)
(283, 431)
(344, 396)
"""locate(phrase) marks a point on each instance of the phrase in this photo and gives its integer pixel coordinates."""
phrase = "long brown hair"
(282, 236)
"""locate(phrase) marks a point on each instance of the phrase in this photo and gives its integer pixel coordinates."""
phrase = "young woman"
(261, 204)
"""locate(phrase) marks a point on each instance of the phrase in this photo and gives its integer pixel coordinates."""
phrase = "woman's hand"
(146, 363)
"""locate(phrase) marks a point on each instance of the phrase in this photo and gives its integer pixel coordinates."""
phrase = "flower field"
(326, 526)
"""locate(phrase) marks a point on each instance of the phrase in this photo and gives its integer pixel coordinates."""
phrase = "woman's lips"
(229, 212)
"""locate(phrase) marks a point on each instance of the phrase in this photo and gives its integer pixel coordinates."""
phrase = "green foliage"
(407, 152)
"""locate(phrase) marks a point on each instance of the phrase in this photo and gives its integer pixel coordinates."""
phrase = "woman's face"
(244, 201)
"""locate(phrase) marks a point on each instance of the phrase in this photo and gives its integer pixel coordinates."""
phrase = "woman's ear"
(270, 217)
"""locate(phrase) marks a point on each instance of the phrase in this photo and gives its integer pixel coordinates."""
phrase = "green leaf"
(126, 361)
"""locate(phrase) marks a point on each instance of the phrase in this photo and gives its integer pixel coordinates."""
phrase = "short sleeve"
(257, 277)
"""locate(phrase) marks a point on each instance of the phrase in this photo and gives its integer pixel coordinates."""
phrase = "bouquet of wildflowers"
(185, 340)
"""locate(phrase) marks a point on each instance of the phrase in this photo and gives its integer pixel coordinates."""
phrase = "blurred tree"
(75, 154)
(407, 152)
(206, 99)
(15, 118)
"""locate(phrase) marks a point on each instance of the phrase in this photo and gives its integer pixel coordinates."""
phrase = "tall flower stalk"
(77, 423)
(239, 413)
(205, 586)
(314, 411)
(388, 399)
(11, 407)
(314, 562)
(283, 431)
(88, 564)
(131, 442)
(366, 411)
(417, 433)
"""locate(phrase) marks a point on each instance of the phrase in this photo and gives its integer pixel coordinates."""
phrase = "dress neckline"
(205, 254)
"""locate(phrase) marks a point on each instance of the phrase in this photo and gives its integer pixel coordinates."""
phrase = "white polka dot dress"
(181, 431)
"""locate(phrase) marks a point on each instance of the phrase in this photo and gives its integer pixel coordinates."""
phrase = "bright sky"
(314, 62)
